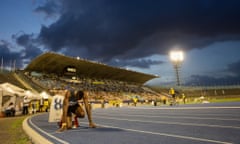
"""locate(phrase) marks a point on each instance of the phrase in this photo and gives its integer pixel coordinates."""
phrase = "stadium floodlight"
(177, 58)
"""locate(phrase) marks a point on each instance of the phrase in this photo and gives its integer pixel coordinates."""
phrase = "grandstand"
(58, 64)
(55, 71)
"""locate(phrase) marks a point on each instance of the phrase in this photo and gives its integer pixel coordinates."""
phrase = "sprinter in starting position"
(71, 105)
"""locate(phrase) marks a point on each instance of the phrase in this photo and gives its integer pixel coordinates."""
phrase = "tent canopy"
(31, 95)
(12, 89)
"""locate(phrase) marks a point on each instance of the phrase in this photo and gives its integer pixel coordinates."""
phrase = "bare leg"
(65, 123)
(80, 112)
(69, 122)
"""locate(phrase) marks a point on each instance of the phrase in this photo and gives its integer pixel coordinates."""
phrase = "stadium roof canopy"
(55, 63)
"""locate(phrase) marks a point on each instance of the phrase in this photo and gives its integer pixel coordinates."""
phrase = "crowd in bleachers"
(100, 89)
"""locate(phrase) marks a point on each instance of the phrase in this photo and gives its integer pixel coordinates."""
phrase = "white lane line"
(173, 117)
(202, 114)
(170, 123)
(46, 133)
(199, 114)
(192, 108)
(196, 114)
(165, 134)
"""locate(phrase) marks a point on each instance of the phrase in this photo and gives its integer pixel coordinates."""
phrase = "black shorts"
(72, 109)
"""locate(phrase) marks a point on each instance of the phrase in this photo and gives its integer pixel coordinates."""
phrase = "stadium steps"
(8, 77)
(24, 82)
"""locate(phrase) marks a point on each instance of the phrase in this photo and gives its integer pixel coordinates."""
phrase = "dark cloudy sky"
(134, 34)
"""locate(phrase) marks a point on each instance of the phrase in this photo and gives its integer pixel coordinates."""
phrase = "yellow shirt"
(171, 91)
(135, 100)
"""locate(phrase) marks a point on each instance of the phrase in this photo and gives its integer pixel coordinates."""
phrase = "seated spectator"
(10, 110)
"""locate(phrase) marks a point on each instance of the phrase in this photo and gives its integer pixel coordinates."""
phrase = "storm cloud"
(234, 68)
(122, 29)
(30, 45)
(140, 63)
(50, 8)
(232, 77)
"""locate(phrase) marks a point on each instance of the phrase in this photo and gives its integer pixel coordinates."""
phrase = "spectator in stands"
(26, 103)
(10, 110)
(71, 105)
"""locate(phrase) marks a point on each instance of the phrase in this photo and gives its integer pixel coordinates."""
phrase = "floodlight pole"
(177, 59)
(177, 67)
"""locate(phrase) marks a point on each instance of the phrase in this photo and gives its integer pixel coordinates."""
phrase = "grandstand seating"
(103, 89)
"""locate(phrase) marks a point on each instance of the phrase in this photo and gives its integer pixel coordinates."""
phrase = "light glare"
(176, 56)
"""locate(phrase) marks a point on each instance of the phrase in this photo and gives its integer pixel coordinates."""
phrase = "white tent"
(32, 95)
(10, 90)
(44, 95)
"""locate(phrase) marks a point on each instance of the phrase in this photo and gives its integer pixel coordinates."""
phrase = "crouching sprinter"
(71, 106)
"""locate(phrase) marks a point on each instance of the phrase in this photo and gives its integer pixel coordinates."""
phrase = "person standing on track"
(184, 98)
(26, 103)
(71, 105)
(172, 93)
